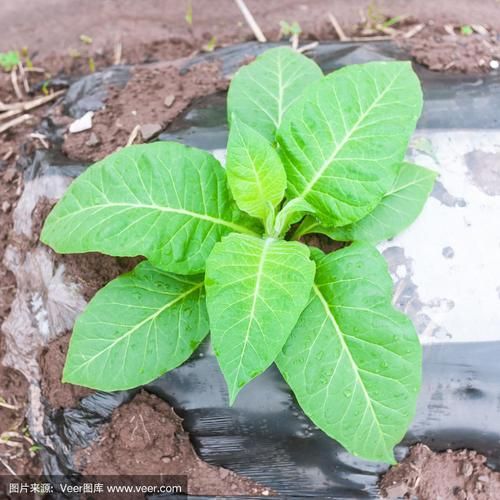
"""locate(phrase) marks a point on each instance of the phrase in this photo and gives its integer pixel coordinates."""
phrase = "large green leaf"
(254, 171)
(261, 92)
(399, 207)
(353, 361)
(136, 328)
(340, 141)
(256, 290)
(165, 201)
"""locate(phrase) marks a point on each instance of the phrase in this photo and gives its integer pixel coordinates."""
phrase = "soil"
(14, 456)
(10, 189)
(441, 51)
(52, 360)
(160, 31)
(93, 270)
(15, 443)
(322, 242)
(142, 103)
(450, 475)
(145, 437)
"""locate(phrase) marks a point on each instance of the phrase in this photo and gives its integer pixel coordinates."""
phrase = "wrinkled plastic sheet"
(265, 436)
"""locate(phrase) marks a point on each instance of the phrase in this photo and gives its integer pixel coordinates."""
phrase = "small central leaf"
(254, 171)
(256, 290)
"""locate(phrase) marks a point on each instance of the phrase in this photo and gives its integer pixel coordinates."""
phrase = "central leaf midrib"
(346, 349)
(151, 317)
(180, 211)
(280, 93)
(258, 279)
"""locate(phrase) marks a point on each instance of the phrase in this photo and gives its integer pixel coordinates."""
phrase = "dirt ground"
(142, 102)
(18, 453)
(125, 31)
(161, 30)
(423, 474)
(145, 437)
(146, 31)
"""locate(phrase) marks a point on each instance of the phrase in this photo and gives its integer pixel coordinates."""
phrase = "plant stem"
(305, 227)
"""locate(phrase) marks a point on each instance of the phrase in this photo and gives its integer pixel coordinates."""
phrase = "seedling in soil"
(306, 153)
(292, 30)
(189, 13)
(27, 59)
(466, 30)
(210, 45)
(91, 64)
(35, 449)
(287, 29)
(9, 60)
(87, 40)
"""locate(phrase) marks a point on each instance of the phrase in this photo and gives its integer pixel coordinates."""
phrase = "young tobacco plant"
(306, 153)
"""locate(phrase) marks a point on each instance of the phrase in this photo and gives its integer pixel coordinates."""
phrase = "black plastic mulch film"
(265, 436)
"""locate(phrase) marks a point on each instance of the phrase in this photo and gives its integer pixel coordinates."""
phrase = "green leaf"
(165, 201)
(9, 59)
(255, 173)
(261, 92)
(353, 361)
(399, 207)
(256, 290)
(340, 141)
(466, 30)
(136, 328)
(291, 213)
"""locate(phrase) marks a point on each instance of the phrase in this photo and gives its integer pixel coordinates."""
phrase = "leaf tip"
(391, 459)
(434, 173)
(66, 377)
(233, 394)
(234, 388)
(386, 455)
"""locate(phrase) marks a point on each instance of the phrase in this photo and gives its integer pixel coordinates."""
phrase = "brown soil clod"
(454, 53)
(448, 475)
(141, 104)
(145, 437)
